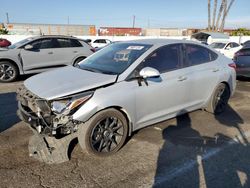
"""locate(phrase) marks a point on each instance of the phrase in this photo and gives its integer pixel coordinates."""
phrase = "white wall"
(16, 38)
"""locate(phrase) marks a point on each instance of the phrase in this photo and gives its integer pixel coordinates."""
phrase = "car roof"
(53, 36)
(161, 41)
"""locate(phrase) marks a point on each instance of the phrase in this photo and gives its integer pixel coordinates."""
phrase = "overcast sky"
(148, 13)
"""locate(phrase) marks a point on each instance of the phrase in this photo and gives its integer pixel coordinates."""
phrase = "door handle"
(215, 70)
(182, 78)
(75, 51)
(50, 52)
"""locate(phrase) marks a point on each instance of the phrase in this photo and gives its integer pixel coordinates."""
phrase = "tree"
(226, 10)
(214, 14)
(4, 31)
(241, 32)
(221, 17)
(209, 14)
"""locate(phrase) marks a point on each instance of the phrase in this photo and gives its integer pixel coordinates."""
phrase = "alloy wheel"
(7, 72)
(107, 134)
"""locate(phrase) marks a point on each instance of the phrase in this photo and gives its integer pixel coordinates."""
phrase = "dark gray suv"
(41, 53)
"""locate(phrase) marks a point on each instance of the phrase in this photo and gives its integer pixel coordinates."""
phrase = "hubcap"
(6, 72)
(107, 134)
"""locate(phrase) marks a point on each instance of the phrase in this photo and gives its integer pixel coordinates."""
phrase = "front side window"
(234, 45)
(196, 55)
(165, 58)
(217, 45)
(42, 44)
(115, 58)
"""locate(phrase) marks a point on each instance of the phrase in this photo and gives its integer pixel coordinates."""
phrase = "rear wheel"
(78, 60)
(104, 134)
(219, 100)
(8, 71)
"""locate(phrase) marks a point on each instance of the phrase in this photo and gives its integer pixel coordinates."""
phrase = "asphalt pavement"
(197, 149)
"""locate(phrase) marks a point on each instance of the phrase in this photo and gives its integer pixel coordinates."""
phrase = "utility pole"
(7, 18)
(134, 21)
(68, 26)
(148, 23)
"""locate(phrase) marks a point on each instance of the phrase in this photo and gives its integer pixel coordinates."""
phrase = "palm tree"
(219, 14)
(226, 10)
(214, 14)
(209, 14)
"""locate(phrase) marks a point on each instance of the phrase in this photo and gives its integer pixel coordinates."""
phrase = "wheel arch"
(120, 109)
(227, 85)
(77, 58)
(14, 63)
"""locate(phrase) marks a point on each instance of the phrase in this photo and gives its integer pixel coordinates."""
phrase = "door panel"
(203, 72)
(163, 96)
(160, 97)
(41, 56)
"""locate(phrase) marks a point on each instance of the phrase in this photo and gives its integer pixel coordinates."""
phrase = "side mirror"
(28, 47)
(227, 48)
(149, 72)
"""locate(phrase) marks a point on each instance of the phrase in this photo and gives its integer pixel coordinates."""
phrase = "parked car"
(122, 88)
(99, 43)
(242, 60)
(246, 43)
(4, 43)
(226, 48)
(37, 54)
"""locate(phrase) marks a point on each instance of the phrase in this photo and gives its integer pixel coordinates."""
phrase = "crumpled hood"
(66, 81)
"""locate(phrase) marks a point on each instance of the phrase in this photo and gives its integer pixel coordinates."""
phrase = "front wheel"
(219, 100)
(104, 134)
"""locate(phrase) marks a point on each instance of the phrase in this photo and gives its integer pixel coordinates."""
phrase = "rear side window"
(75, 43)
(64, 43)
(196, 55)
(100, 41)
(164, 59)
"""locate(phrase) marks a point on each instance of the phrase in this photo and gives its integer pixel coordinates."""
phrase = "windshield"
(17, 44)
(115, 58)
(218, 45)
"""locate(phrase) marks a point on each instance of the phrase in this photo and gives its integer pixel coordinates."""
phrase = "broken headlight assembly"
(69, 105)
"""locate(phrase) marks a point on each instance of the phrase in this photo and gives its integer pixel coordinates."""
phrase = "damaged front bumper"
(53, 134)
(37, 112)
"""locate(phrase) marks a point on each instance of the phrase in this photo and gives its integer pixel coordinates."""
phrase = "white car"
(226, 48)
(99, 43)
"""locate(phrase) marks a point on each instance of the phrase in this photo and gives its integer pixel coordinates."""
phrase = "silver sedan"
(125, 87)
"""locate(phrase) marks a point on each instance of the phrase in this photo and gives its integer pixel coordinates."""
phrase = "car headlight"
(65, 106)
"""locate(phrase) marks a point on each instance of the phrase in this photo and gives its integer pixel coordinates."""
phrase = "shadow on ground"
(218, 161)
(8, 108)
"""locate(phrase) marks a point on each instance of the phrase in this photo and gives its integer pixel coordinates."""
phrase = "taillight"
(232, 65)
(93, 49)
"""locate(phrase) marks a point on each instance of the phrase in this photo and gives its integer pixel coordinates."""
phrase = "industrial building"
(50, 29)
(119, 31)
(164, 32)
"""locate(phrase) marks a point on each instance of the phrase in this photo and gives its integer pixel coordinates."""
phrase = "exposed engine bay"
(38, 113)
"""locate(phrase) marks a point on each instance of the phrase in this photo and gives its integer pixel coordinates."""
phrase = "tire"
(78, 60)
(104, 134)
(219, 100)
(8, 71)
